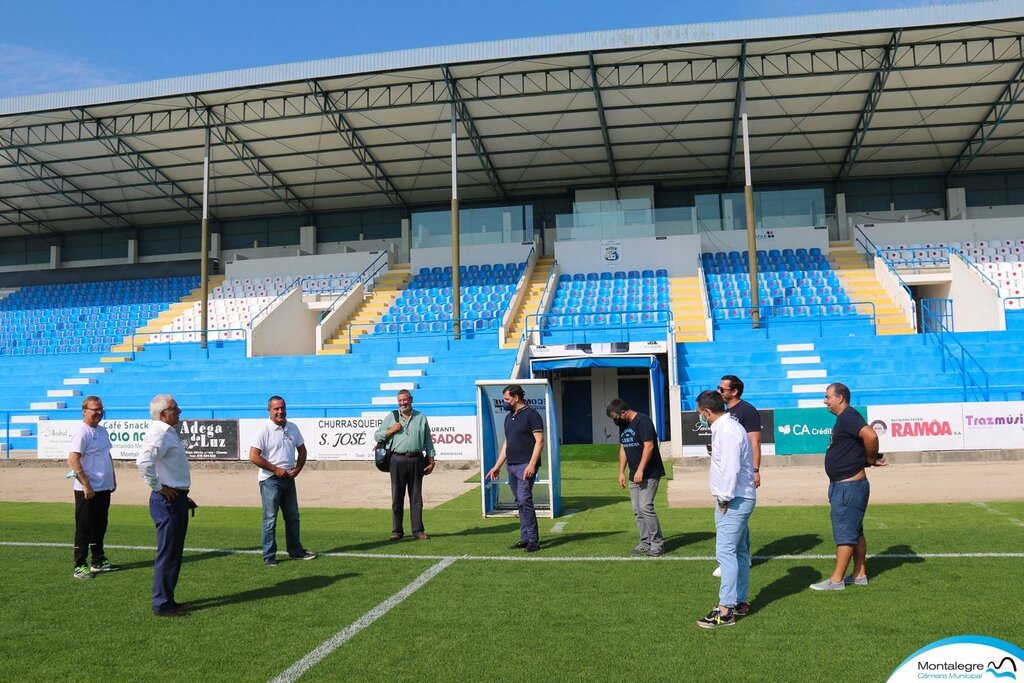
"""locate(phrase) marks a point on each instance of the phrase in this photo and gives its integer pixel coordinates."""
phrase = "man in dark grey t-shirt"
(639, 451)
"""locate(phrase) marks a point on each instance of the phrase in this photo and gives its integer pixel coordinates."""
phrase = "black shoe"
(714, 619)
(270, 561)
(532, 547)
(742, 609)
(518, 545)
(171, 613)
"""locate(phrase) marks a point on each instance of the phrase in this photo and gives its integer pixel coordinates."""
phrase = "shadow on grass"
(187, 557)
(561, 539)
(879, 565)
(796, 580)
(284, 588)
(790, 545)
(585, 503)
(681, 540)
(386, 542)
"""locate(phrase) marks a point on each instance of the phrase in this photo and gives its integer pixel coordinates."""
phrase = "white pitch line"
(338, 639)
(988, 508)
(559, 527)
(542, 558)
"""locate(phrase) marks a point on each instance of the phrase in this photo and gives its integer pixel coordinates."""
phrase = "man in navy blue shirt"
(639, 450)
(524, 441)
(852, 448)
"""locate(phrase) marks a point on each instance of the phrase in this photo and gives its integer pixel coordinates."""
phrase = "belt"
(409, 454)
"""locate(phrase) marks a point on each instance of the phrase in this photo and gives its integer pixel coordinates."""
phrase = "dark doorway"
(577, 413)
(636, 391)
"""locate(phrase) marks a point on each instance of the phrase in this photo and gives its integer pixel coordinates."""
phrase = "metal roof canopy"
(933, 90)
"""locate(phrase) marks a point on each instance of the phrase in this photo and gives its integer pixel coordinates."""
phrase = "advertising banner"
(935, 427)
(697, 438)
(210, 439)
(125, 437)
(599, 348)
(993, 425)
(803, 431)
(351, 438)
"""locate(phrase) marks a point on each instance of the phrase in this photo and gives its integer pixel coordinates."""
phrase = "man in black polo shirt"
(524, 441)
(852, 448)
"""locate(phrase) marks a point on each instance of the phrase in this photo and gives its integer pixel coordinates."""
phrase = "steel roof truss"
(471, 131)
(604, 123)
(988, 125)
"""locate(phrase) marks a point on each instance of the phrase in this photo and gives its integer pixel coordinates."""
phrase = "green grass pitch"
(482, 618)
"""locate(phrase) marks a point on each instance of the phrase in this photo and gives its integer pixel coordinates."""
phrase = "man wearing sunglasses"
(274, 450)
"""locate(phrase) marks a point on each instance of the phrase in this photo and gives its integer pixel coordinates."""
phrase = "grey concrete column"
(842, 224)
(54, 256)
(406, 244)
(133, 251)
(307, 239)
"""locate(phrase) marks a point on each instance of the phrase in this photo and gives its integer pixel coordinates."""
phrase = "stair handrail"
(524, 338)
(362, 277)
(527, 271)
(878, 254)
(960, 364)
(709, 323)
(297, 281)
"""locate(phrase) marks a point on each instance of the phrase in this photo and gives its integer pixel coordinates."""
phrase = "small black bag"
(382, 451)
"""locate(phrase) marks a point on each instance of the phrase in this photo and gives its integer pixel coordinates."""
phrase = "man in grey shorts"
(852, 448)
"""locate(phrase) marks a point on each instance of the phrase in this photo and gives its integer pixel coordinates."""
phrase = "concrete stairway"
(385, 292)
(687, 309)
(860, 284)
(528, 306)
(157, 324)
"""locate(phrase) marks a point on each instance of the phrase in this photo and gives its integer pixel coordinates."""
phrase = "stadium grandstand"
(289, 229)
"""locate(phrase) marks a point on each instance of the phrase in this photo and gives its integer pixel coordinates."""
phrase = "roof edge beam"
(472, 133)
(18, 213)
(241, 150)
(988, 125)
(604, 123)
(871, 104)
(333, 111)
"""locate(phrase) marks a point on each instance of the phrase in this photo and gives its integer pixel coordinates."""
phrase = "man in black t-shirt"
(639, 450)
(731, 389)
(524, 442)
(852, 448)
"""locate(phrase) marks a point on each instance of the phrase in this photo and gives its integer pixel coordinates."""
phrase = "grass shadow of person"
(891, 558)
(295, 586)
(679, 540)
(561, 539)
(189, 557)
(796, 580)
(788, 545)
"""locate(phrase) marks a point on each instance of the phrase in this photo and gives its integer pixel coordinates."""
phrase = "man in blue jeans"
(274, 450)
(852, 448)
(732, 485)
(524, 442)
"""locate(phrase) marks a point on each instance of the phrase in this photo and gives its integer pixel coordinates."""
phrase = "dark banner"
(210, 439)
(694, 434)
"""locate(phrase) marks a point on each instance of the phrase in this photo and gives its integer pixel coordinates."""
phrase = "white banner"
(936, 427)
(993, 425)
(351, 438)
(125, 438)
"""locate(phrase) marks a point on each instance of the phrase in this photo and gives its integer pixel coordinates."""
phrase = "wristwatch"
(756, 470)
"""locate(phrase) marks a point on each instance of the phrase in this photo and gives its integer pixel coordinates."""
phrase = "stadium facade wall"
(349, 263)
(678, 254)
(921, 232)
(431, 257)
(284, 331)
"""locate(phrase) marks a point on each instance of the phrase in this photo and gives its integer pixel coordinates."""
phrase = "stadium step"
(93, 371)
(28, 419)
(530, 303)
(398, 386)
(414, 360)
(688, 313)
(861, 284)
(116, 359)
(419, 372)
(75, 381)
(4, 433)
(386, 291)
(63, 393)
(47, 405)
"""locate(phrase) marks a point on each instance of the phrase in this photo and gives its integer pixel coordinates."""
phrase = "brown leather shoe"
(396, 536)
(421, 536)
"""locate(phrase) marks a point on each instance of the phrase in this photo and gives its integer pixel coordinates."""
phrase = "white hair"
(159, 404)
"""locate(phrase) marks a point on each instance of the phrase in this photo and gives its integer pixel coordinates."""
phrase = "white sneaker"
(717, 573)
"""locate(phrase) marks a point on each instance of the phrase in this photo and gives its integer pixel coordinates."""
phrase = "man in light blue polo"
(274, 451)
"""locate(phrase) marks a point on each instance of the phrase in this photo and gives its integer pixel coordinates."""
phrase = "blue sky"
(53, 45)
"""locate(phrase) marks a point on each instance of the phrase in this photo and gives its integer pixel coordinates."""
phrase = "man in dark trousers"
(93, 468)
(852, 448)
(638, 449)
(412, 459)
(524, 442)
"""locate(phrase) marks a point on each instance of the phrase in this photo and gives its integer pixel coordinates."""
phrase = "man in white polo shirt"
(164, 467)
(274, 450)
(95, 480)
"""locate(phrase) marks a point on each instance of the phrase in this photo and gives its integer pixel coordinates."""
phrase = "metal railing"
(446, 332)
(770, 315)
(211, 336)
(663, 320)
(956, 356)
(287, 290)
(971, 265)
(366, 276)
